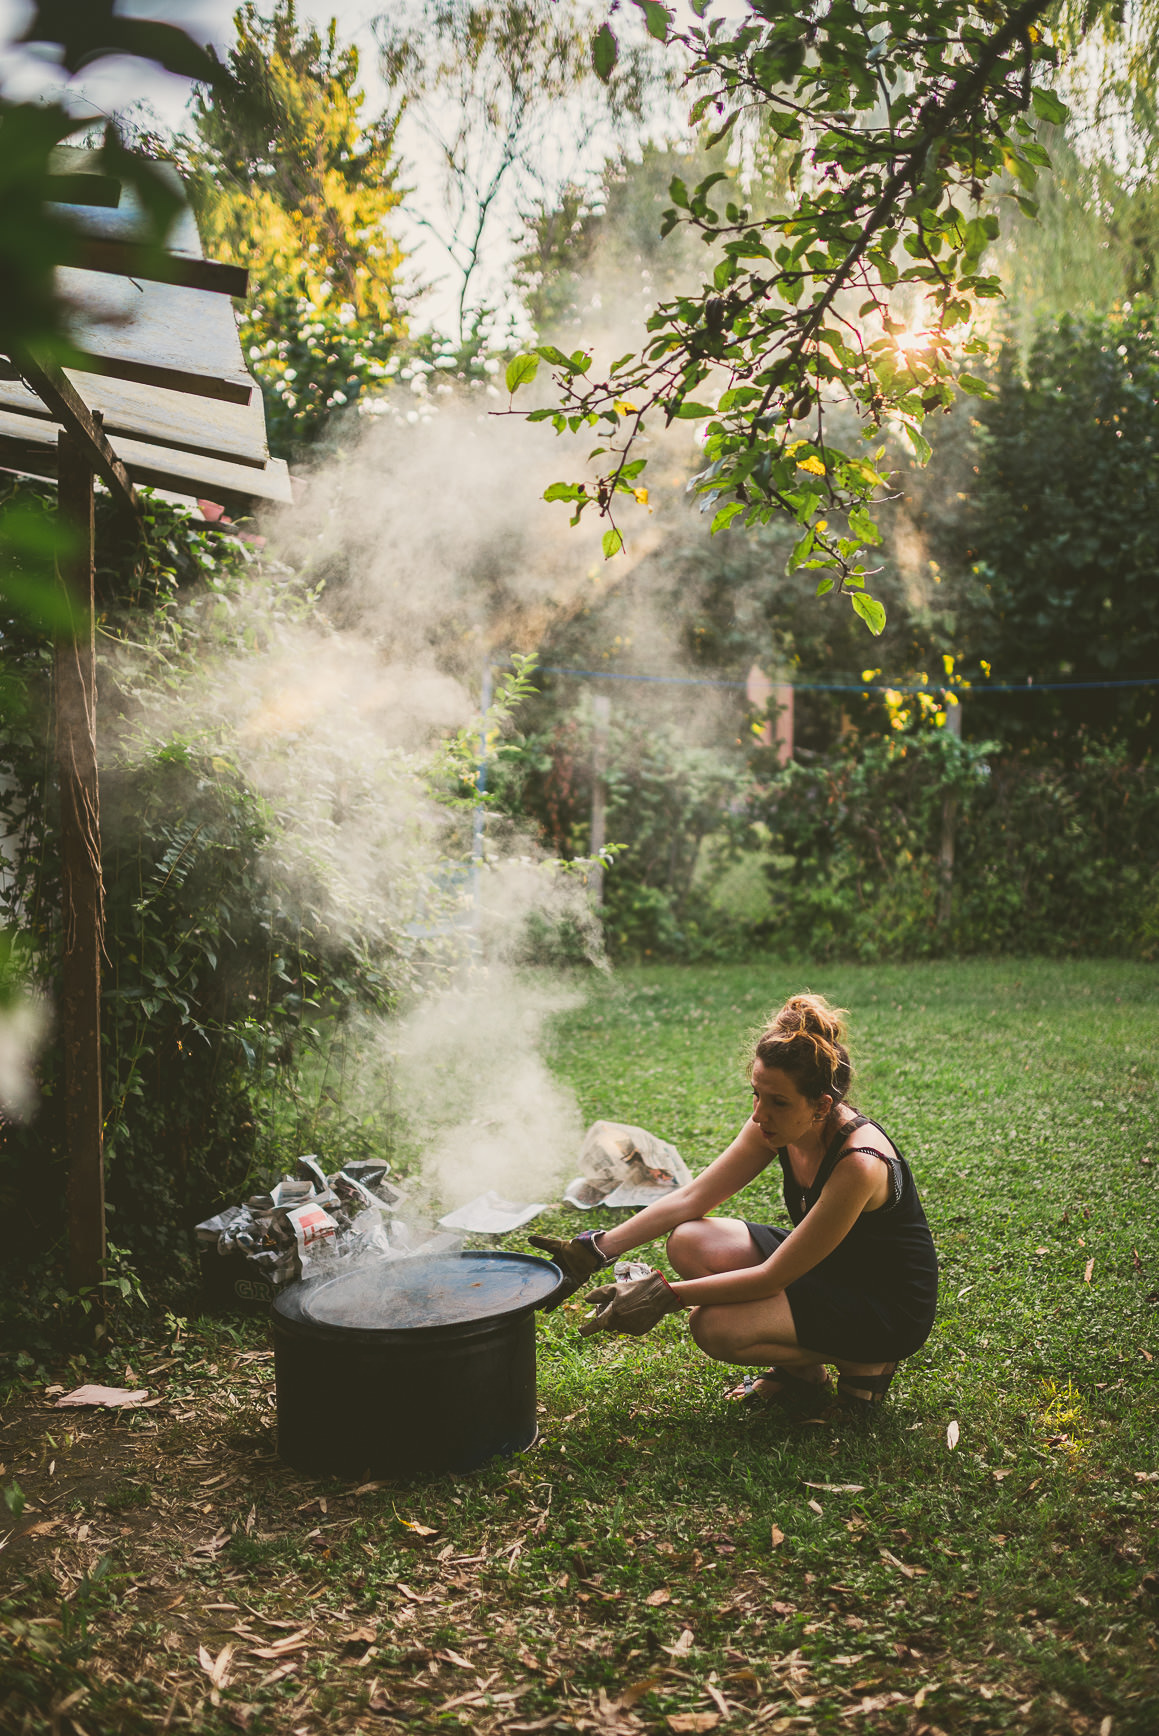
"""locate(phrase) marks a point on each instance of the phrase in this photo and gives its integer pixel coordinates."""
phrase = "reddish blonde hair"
(806, 1040)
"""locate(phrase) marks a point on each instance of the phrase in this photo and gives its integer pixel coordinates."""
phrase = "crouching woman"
(852, 1285)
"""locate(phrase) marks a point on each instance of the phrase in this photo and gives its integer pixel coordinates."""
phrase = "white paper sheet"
(488, 1215)
(631, 1194)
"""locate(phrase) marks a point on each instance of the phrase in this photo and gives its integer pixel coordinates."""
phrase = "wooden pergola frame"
(155, 392)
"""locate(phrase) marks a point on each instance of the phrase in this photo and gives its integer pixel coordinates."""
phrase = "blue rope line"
(855, 687)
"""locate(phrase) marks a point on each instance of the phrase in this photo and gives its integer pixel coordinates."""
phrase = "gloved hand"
(634, 1305)
(577, 1260)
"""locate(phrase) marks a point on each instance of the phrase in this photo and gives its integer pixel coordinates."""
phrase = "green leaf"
(656, 17)
(870, 610)
(1049, 107)
(721, 132)
(613, 543)
(562, 491)
(521, 370)
(552, 355)
(922, 448)
(726, 515)
(605, 52)
(976, 387)
(691, 412)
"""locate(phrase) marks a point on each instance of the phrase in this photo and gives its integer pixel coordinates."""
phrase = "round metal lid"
(403, 1295)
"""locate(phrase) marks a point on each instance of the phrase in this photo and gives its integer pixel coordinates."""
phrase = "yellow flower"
(623, 408)
(813, 465)
(641, 495)
(821, 526)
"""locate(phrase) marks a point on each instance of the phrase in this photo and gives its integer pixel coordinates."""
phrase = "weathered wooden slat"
(27, 445)
(166, 418)
(157, 334)
(127, 259)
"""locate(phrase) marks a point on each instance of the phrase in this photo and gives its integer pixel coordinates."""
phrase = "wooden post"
(601, 718)
(82, 887)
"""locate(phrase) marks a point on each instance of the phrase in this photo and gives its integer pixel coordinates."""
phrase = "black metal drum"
(410, 1365)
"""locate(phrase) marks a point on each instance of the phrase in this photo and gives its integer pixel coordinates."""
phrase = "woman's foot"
(865, 1392)
(776, 1385)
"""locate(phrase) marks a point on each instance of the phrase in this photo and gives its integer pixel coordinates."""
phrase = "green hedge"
(1058, 859)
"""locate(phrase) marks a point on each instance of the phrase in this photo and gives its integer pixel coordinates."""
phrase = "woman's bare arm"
(732, 1170)
(843, 1199)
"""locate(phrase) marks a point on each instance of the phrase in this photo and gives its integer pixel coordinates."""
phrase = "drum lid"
(410, 1293)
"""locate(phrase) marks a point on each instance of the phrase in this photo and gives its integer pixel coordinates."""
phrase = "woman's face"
(780, 1111)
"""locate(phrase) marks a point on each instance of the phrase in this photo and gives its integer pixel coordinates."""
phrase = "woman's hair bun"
(806, 1040)
(812, 1014)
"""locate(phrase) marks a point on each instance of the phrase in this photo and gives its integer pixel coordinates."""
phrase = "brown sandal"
(877, 1385)
(793, 1389)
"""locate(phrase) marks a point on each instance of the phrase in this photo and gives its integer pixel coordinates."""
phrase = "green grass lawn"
(663, 1561)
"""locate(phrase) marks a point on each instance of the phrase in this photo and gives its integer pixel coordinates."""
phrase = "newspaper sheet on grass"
(621, 1165)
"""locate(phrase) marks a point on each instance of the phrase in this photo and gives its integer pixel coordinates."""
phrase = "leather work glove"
(577, 1260)
(634, 1305)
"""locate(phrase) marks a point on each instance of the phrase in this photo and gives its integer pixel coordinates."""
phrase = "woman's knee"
(710, 1329)
(688, 1246)
(703, 1246)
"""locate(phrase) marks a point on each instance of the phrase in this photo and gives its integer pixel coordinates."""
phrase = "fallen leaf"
(656, 1598)
(216, 1668)
(953, 1435)
(1042, 1250)
(419, 1530)
(838, 1488)
(455, 1658)
(816, 1507)
(1088, 1270)
(925, 1689)
(900, 1565)
(778, 1536)
(682, 1647)
(689, 1722)
(107, 1397)
(42, 1527)
(998, 1475)
(779, 1608)
(356, 1641)
(717, 1699)
(637, 1691)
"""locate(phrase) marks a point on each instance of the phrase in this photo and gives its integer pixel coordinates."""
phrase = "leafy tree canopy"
(861, 287)
(294, 181)
(1062, 527)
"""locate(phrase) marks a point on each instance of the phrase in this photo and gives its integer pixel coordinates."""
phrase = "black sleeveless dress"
(872, 1299)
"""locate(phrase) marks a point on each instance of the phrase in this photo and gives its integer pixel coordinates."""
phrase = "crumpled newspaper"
(622, 1165)
(309, 1218)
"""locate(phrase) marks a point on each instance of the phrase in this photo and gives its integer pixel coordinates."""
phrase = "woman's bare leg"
(750, 1332)
(764, 1333)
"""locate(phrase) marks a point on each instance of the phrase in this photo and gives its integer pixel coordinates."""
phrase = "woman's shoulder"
(861, 1133)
